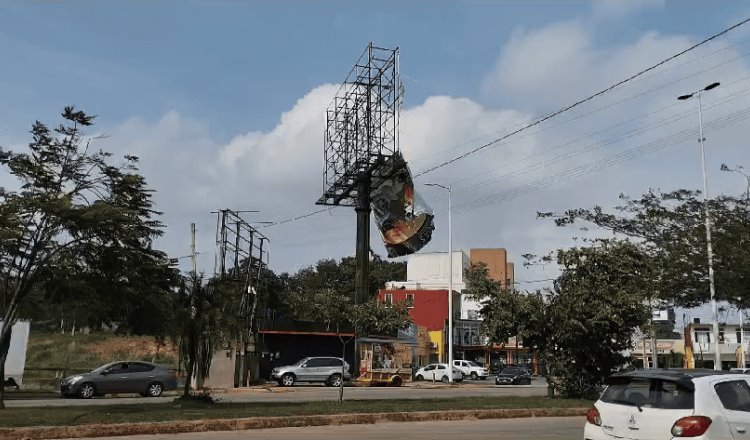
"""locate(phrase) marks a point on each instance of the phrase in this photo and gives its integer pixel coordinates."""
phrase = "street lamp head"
(724, 167)
(684, 97)
(712, 86)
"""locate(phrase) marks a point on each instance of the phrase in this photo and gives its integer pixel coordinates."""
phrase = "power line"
(610, 105)
(582, 101)
(294, 219)
(598, 165)
(507, 165)
(552, 115)
(563, 156)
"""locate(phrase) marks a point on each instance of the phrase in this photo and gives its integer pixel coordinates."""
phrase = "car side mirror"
(303, 366)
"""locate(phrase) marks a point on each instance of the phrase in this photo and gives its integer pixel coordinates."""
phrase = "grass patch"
(52, 355)
(194, 410)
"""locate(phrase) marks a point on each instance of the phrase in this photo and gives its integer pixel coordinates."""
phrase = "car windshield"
(302, 361)
(510, 371)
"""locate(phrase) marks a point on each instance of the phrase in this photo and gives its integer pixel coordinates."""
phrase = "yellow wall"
(436, 337)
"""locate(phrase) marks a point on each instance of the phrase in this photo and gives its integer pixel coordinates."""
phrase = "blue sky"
(224, 101)
(238, 65)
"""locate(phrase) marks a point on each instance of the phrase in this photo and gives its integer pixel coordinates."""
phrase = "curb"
(181, 426)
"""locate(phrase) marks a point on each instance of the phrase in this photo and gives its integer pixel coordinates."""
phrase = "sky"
(224, 102)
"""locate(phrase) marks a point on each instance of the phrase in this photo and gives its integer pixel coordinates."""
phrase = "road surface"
(312, 393)
(551, 428)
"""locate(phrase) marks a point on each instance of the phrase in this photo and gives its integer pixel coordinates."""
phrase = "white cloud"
(279, 171)
(547, 68)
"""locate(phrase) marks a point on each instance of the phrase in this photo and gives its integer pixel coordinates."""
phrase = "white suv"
(471, 369)
(672, 404)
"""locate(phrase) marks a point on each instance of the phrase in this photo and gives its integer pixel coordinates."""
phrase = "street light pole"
(450, 282)
(709, 247)
(739, 170)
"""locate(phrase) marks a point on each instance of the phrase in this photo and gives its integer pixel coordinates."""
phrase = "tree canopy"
(78, 226)
(669, 230)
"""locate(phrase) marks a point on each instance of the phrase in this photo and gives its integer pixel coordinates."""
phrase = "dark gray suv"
(312, 369)
(143, 378)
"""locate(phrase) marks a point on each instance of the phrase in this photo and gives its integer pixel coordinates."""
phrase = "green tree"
(73, 205)
(340, 275)
(585, 324)
(669, 228)
(504, 312)
(201, 328)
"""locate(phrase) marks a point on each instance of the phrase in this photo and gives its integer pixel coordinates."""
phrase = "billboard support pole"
(362, 256)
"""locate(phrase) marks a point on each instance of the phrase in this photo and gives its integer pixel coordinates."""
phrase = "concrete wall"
(19, 340)
(497, 264)
(432, 268)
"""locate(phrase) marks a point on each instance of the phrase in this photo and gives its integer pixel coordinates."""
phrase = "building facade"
(428, 309)
(700, 343)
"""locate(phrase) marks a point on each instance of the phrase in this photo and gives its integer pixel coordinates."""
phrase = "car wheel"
(528, 381)
(396, 381)
(419, 377)
(474, 375)
(287, 380)
(335, 380)
(86, 391)
(155, 389)
(444, 379)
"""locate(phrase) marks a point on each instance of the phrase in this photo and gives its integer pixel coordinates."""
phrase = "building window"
(410, 300)
(388, 299)
(721, 336)
(703, 336)
(472, 314)
(740, 339)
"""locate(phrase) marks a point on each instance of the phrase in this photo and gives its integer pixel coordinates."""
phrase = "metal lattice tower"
(361, 125)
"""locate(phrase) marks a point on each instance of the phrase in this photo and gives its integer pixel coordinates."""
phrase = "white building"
(429, 271)
(700, 345)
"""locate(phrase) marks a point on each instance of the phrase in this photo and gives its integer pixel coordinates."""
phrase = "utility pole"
(450, 281)
(241, 247)
(192, 248)
(709, 247)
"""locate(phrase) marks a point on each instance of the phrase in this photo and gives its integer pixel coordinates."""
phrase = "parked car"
(650, 404)
(313, 369)
(740, 370)
(513, 376)
(438, 372)
(471, 369)
(144, 378)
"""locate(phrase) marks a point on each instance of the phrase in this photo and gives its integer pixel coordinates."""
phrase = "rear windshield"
(649, 393)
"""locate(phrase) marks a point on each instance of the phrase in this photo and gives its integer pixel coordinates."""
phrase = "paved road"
(314, 393)
(553, 428)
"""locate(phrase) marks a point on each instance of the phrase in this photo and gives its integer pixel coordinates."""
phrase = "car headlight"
(74, 379)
